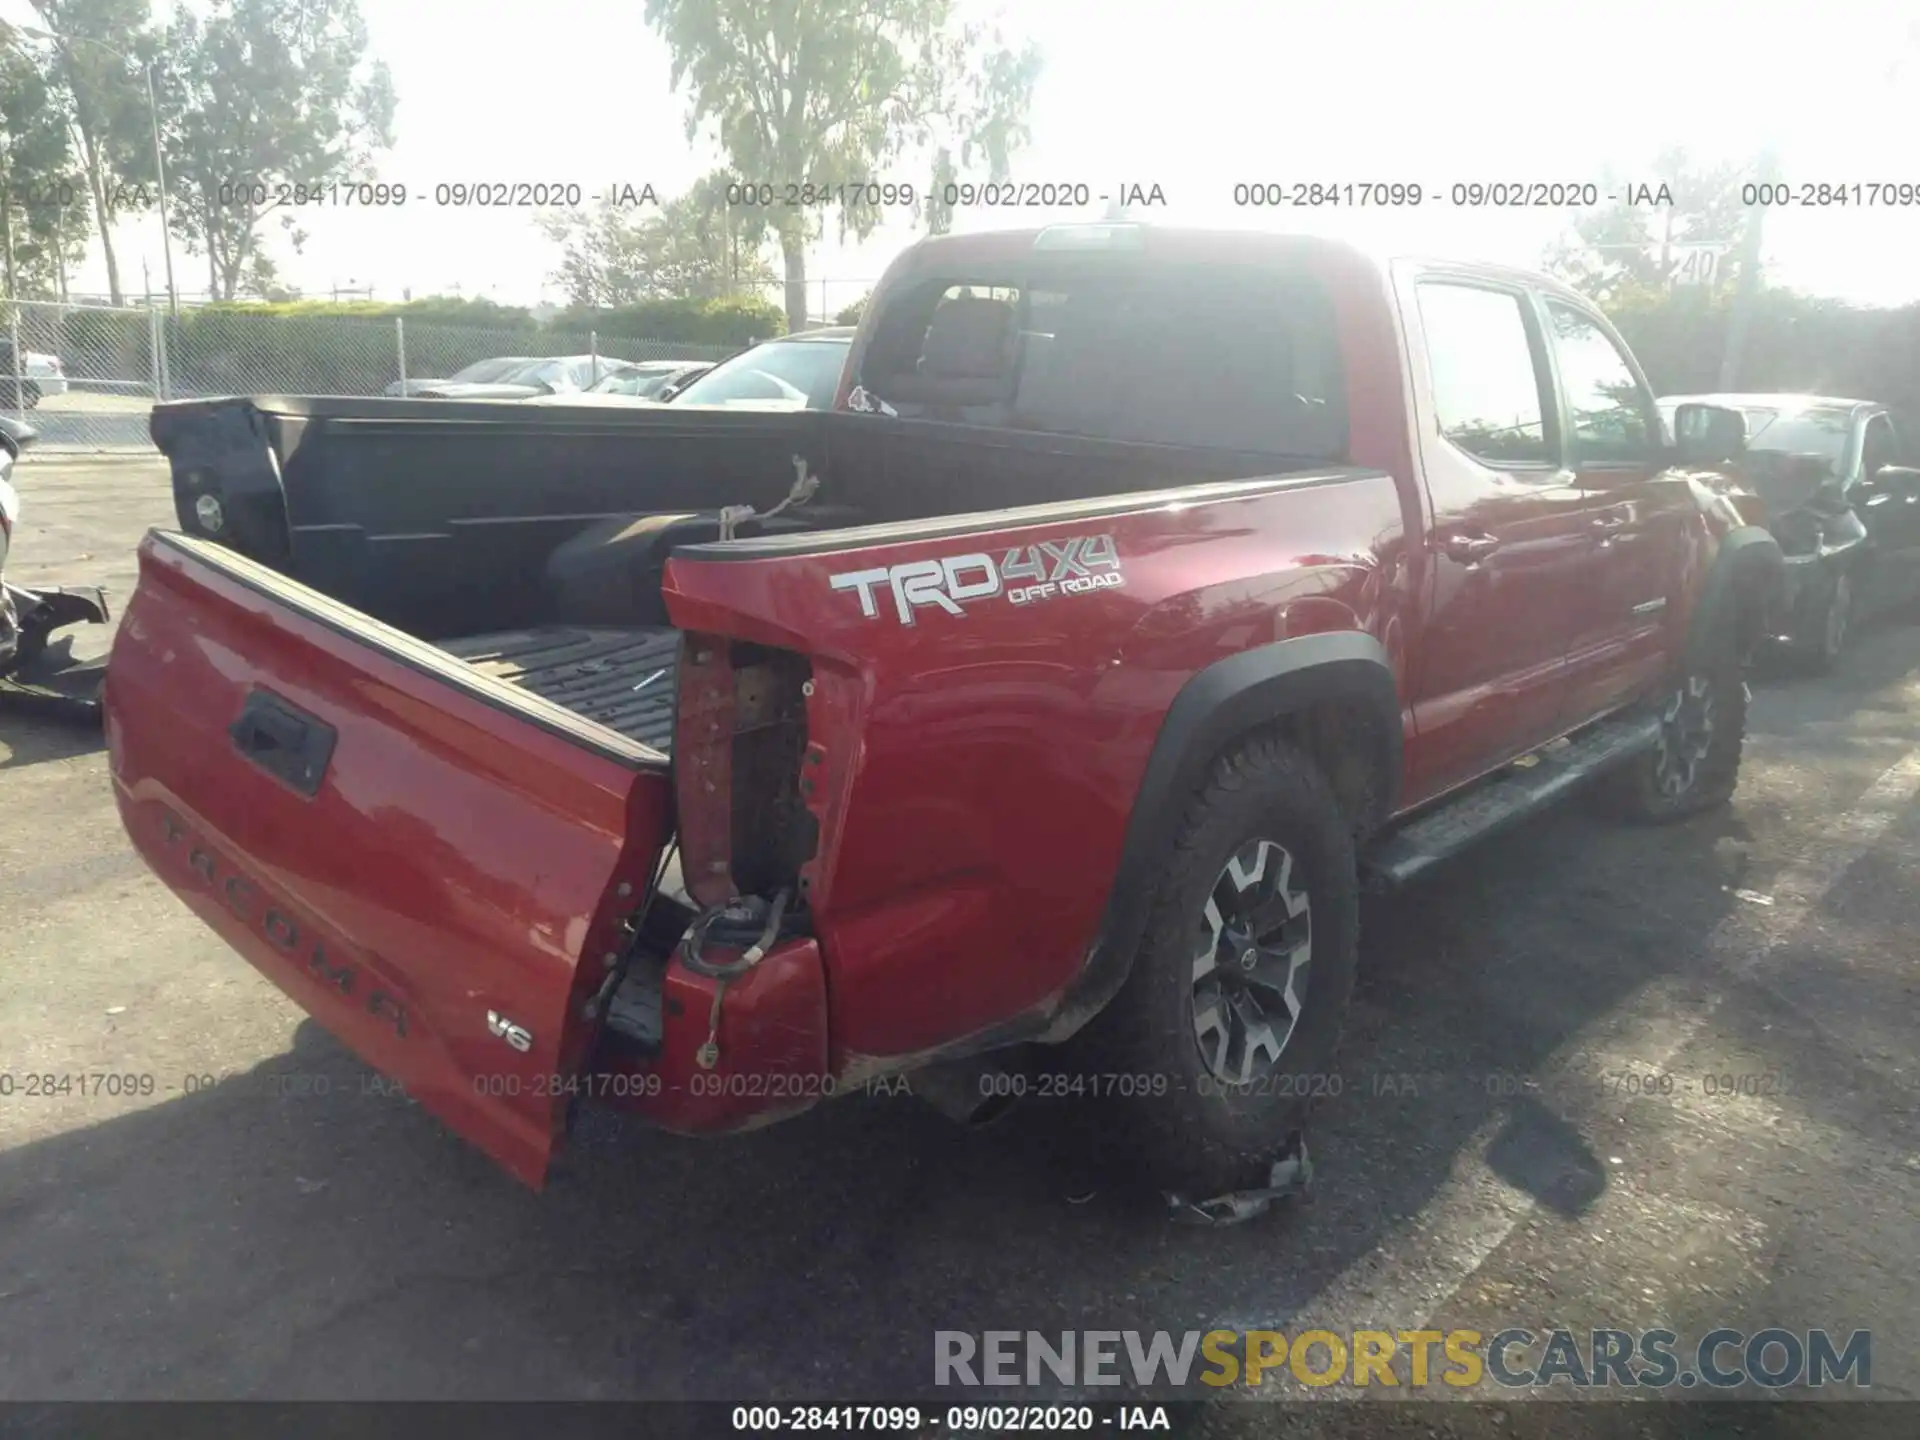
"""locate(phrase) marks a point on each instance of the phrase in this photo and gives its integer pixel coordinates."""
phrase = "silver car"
(554, 375)
(648, 382)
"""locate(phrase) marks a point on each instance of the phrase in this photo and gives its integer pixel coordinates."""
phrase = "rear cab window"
(1164, 353)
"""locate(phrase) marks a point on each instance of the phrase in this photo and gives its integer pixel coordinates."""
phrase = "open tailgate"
(421, 856)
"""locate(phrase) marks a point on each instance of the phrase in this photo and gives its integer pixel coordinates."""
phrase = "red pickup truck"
(1145, 594)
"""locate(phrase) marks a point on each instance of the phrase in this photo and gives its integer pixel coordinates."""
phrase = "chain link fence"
(86, 376)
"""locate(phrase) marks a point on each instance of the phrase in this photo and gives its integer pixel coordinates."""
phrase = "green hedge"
(315, 347)
(439, 309)
(1793, 343)
(224, 350)
(112, 344)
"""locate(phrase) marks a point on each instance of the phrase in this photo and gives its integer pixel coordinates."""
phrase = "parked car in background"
(643, 383)
(681, 381)
(555, 375)
(37, 374)
(1843, 502)
(478, 373)
(795, 372)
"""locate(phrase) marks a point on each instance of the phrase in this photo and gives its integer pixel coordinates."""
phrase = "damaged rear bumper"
(768, 1033)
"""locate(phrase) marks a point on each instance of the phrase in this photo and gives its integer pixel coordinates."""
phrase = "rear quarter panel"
(977, 770)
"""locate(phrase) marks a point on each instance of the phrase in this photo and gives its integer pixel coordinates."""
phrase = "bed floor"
(622, 679)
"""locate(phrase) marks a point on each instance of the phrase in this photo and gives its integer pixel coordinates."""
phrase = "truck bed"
(622, 679)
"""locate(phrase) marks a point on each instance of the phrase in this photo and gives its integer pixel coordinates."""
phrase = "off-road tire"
(1195, 1133)
(1826, 637)
(1643, 790)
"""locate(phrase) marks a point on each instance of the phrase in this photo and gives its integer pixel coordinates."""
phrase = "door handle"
(1609, 524)
(1469, 549)
(287, 743)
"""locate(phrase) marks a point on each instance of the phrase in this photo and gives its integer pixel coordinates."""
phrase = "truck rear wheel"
(1225, 1031)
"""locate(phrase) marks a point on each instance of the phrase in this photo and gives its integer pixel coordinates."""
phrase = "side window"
(1611, 414)
(1486, 378)
(1879, 446)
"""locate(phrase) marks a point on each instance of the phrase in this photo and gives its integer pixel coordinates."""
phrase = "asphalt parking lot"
(1503, 1151)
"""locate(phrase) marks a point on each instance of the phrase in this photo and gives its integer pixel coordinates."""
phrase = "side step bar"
(1528, 785)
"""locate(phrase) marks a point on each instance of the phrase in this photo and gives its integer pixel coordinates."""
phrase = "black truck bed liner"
(622, 679)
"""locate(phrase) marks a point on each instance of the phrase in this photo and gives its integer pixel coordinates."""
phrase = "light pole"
(1746, 292)
(153, 116)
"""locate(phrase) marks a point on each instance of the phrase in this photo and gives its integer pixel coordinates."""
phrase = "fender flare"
(1749, 567)
(1226, 699)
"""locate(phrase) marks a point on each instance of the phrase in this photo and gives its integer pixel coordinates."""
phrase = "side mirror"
(1895, 480)
(1708, 434)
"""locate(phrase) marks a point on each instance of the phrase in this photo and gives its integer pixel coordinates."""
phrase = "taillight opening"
(739, 749)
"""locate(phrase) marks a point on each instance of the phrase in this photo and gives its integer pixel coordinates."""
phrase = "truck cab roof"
(1196, 243)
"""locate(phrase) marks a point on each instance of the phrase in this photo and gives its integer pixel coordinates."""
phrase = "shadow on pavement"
(298, 1231)
(1543, 1154)
(33, 730)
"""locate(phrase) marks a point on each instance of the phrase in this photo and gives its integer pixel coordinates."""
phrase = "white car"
(796, 372)
(554, 375)
(40, 374)
(642, 383)
(47, 372)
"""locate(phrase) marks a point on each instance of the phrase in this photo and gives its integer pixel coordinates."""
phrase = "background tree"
(694, 247)
(106, 104)
(43, 218)
(270, 93)
(833, 92)
(1621, 249)
(850, 314)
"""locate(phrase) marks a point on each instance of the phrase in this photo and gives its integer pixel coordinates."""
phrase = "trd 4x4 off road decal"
(1053, 567)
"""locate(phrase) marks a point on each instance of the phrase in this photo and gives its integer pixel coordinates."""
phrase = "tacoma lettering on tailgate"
(306, 952)
(1051, 568)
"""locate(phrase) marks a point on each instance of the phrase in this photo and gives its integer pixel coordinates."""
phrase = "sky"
(1193, 98)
